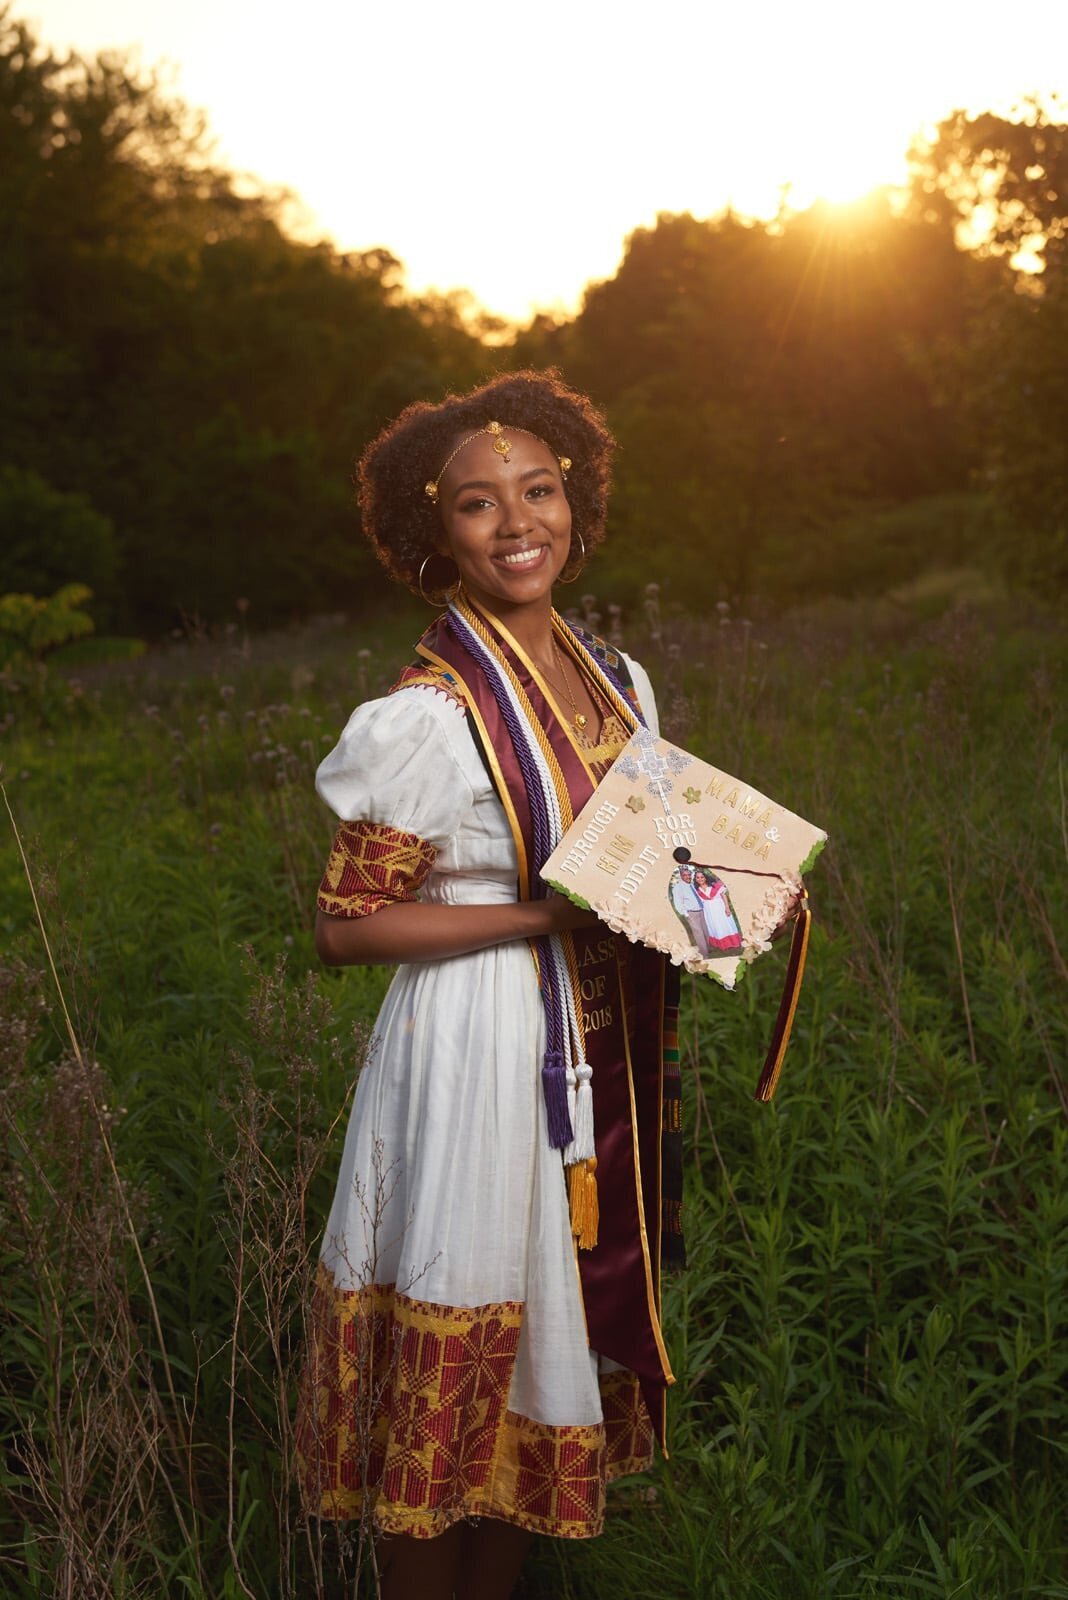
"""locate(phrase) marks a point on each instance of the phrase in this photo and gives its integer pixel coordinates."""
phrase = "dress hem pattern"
(404, 1414)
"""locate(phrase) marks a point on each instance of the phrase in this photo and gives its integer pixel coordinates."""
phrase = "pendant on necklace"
(581, 719)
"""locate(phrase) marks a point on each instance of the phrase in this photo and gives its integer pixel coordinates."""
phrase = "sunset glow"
(511, 155)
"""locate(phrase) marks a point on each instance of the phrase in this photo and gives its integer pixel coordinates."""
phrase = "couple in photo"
(703, 904)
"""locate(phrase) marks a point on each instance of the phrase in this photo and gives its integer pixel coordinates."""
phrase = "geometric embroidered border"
(410, 1399)
(425, 676)
(371, 866)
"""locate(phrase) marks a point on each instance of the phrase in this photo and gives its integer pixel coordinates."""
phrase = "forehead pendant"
(501, 444)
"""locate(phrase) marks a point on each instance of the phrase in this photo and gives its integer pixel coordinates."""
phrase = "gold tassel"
(582, 1194)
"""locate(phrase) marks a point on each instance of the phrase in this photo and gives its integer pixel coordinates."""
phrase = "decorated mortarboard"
(683, 857)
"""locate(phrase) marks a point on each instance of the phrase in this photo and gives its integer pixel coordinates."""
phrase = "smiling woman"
(426, 444)
(505, 516)
(487, 1351)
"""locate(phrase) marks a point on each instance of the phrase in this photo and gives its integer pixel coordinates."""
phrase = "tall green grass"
(870, 1338)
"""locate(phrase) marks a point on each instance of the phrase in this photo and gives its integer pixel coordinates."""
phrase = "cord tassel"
(554, 1087)
(582, 1146)
(572, 1109)
(780, 1038)
(582, 1195)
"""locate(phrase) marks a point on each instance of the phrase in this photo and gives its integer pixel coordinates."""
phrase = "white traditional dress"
(450, 1370)
(721, 925)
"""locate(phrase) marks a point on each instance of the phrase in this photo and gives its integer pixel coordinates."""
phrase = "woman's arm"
(411, 931)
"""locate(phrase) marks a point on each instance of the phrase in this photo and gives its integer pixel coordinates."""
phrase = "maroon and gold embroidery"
(410, 1399)
(370, 866)
(430, 677)
(627, 1429)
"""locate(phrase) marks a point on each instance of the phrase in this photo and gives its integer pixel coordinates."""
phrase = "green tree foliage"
(764, 381)
(201, 379)
(51, 538)
(31, 627)
(1002, 180)
(1011, 370)
(835, 402)
(830, 403)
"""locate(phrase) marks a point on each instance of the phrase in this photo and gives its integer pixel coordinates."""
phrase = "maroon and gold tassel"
(795, 970)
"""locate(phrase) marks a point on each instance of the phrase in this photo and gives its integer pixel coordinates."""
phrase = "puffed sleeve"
(644, 690)
(394, 780)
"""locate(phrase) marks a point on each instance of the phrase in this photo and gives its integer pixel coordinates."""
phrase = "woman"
(721, 925)
(484, 1347)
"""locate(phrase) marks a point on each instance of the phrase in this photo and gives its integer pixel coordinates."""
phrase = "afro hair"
(402, 522)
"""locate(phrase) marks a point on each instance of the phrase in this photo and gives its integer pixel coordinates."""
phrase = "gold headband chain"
(500, 444)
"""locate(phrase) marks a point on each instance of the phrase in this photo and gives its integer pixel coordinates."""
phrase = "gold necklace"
(579, 718)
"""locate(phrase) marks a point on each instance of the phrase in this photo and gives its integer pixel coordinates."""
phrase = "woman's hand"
(408, 930)
(563, 914)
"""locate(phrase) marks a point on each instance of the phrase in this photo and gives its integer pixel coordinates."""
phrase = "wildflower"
(226, 691)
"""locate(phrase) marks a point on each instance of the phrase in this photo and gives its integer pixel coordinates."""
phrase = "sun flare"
(696, 109)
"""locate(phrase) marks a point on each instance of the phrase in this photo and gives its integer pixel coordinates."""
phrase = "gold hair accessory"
(501, 444)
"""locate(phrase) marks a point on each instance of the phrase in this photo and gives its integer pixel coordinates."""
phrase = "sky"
(509, 150)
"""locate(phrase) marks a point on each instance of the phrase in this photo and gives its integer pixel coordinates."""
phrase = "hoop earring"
(581, 565)
(449, 592)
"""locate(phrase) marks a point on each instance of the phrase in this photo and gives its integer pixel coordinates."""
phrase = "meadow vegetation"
(844, 412)
(870, 1340)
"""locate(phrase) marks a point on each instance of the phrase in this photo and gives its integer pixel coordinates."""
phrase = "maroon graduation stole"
(629, 1003)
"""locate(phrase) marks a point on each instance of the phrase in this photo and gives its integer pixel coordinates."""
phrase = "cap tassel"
(582, 1195)
(795, 971)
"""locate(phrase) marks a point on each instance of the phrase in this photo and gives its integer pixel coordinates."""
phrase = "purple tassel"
(554, 1087)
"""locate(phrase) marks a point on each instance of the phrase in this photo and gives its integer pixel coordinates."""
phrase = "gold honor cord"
(581, 1175)
(795, 971)
(586, 659)
(474, 621)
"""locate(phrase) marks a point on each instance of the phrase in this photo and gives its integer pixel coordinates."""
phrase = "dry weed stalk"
(95, 1443)
(280, 1146)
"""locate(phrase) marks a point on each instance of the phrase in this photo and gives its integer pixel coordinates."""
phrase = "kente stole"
(629, 1001)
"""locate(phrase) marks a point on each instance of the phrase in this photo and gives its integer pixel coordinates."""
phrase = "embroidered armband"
(372, 866)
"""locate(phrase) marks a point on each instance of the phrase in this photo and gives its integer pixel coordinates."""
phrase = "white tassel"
(582, 1146)
(572, 1110)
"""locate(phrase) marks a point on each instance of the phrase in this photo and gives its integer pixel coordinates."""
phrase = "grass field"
(871, 1340)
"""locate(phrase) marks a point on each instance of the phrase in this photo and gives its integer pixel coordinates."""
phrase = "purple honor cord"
(561, 1050)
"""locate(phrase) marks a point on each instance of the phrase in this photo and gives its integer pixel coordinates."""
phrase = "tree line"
(826, 403)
